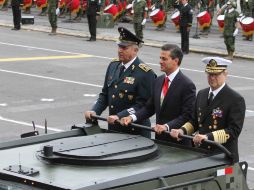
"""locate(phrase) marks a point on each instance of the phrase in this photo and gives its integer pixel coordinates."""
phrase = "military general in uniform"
(139, 17)
(219, 111)
(127, 85)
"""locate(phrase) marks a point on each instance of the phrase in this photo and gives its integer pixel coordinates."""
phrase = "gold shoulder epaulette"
(144, 67)
(114, 60)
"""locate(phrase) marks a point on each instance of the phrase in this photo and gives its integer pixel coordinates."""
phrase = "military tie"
(210, 98)
(121, 70)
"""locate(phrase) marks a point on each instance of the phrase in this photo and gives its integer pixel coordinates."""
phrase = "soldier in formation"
(139, 17)
(231, 25)
(209, 6)
(5, 5)
(186, 13)
(16, 11)
(248, 11)
(92, 7)
(53, 10)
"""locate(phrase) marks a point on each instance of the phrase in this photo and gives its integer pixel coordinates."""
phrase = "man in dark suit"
(127, 85)
(185, 24)
(92, 8)
(219, 110)
(16, 11)
(173, 96)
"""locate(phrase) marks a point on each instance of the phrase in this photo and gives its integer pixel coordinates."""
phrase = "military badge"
(133, 67)
(121, 95)
(144, 67)
(217, 113)
(129, 80)
(130, 97)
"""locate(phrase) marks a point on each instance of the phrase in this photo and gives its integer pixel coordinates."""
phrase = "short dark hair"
(175, 51)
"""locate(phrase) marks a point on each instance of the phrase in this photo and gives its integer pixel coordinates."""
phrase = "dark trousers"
(16, 16)
(92, 25)
(184, 39)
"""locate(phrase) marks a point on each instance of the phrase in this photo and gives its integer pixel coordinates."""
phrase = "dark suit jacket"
(92, 7)
(127, 94)
(225, 114)
(177, 105)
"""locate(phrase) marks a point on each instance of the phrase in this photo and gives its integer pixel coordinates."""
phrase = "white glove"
(143, 22)
(57, 11)
(235, 32)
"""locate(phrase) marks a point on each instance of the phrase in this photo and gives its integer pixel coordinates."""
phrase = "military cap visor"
(127, 38)
(215, 65)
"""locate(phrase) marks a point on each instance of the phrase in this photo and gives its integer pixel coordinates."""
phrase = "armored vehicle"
(88, 158)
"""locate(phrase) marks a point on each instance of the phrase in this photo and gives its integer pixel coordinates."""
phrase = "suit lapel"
(115, 76)
(158, 90)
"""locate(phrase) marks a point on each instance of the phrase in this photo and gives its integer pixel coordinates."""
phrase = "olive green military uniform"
(139, 8)
(127, 93)
(209, 6)
(5, 5)
(248, 8)
(248, 11)
(229, 28)
(222, 2)
(52, 6)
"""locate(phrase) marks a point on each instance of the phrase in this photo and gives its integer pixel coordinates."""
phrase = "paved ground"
(211, 44)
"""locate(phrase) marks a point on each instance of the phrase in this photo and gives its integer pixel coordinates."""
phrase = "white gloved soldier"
(143, 22)
(57, 11)
(235, 32)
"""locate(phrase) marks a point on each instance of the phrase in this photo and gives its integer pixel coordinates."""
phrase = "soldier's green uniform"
(5, 6)
(248, 11)
(230, 21)
(162, 5)
(221, 3)
(140, 9)
(126, 93)
(209, 6)
(52, 6)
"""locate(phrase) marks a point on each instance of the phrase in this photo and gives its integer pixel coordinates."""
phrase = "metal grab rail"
(209, 142)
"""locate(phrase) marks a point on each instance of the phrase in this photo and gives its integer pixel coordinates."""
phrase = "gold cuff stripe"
(189, 128)
(220, 136)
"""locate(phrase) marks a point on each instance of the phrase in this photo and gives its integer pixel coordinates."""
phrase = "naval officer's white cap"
(215, 64)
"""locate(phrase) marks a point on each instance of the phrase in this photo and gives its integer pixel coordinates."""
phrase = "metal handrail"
(209, 142)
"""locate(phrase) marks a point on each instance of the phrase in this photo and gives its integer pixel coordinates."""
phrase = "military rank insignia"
(217, 113)
(144, 67)
(129, 80)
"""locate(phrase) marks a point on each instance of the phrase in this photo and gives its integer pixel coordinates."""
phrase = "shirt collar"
(215, 92)
(126, 65)
(172, 75)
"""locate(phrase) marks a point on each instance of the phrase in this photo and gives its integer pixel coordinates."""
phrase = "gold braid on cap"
(189, 128)
(220, 136)
(212, 67)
